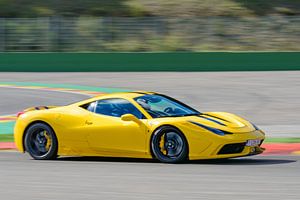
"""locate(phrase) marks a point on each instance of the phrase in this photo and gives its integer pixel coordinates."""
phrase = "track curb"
(7, 145)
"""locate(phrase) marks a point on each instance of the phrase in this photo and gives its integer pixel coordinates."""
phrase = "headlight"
(256, 128)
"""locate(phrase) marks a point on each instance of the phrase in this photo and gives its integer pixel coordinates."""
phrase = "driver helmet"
(144, 104)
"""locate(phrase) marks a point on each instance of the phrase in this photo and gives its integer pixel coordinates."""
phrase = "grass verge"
(6, 137)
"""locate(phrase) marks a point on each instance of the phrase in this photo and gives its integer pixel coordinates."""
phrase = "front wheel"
(40, 142)
(169, 145)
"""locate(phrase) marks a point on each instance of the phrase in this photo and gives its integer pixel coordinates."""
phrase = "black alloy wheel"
(41, 142)
(169, 145)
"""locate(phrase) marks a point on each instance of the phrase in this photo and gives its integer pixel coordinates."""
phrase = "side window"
(116, 107)
(91, 106)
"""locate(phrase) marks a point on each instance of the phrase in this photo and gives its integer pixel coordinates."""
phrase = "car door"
(108, 133)
(71, 124)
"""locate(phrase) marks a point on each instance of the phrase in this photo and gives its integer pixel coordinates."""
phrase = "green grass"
(6, 137)
(130, 8)
(226, 22)
(282, 140)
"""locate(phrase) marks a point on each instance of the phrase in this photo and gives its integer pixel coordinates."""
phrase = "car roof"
(125, 95)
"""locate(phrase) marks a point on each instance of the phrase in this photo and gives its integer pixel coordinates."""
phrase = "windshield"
(163, 106)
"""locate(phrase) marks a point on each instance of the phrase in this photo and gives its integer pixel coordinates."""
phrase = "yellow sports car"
(134, 124)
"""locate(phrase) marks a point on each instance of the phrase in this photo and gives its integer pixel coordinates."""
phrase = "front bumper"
(231, 146)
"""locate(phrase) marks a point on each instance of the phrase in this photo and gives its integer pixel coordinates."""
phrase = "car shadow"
(107, 159)
(244, 161)
(232, 161)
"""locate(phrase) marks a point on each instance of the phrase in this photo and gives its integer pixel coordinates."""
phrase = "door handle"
(88, 122)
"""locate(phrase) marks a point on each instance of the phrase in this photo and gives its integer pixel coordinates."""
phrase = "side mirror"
(130, 117)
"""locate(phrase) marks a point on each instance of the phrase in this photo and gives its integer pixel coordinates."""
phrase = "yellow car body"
(80, 132)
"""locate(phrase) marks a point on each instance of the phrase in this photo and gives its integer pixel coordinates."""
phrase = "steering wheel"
(169, 110)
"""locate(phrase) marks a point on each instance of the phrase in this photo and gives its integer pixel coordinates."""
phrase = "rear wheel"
(41, 142)
(169, 145)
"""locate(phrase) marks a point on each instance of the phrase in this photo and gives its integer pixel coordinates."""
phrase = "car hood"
(223, 121)
(218, 120)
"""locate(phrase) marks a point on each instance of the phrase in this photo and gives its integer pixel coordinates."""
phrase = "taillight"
(20, 113)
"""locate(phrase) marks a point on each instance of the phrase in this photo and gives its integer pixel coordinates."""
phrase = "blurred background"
(238, 56)
(142, 25)
(179, 32)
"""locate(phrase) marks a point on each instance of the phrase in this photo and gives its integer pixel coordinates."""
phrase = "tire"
(169, 145)
(40, 142)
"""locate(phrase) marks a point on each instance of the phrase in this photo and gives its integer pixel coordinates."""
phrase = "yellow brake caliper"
(49, 141)
(162, 145)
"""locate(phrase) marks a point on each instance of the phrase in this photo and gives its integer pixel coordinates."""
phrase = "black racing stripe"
(209, 119)
(214, 130)
(216, 117)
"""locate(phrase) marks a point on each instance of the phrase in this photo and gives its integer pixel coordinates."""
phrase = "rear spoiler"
(35, 108)
(39, 108)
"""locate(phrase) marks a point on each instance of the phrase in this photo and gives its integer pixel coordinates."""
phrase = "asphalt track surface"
(266, 98)
(260, 177)
(269, 99)
(15, 100)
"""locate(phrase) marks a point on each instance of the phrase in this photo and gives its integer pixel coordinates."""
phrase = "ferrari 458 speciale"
(136, 125)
